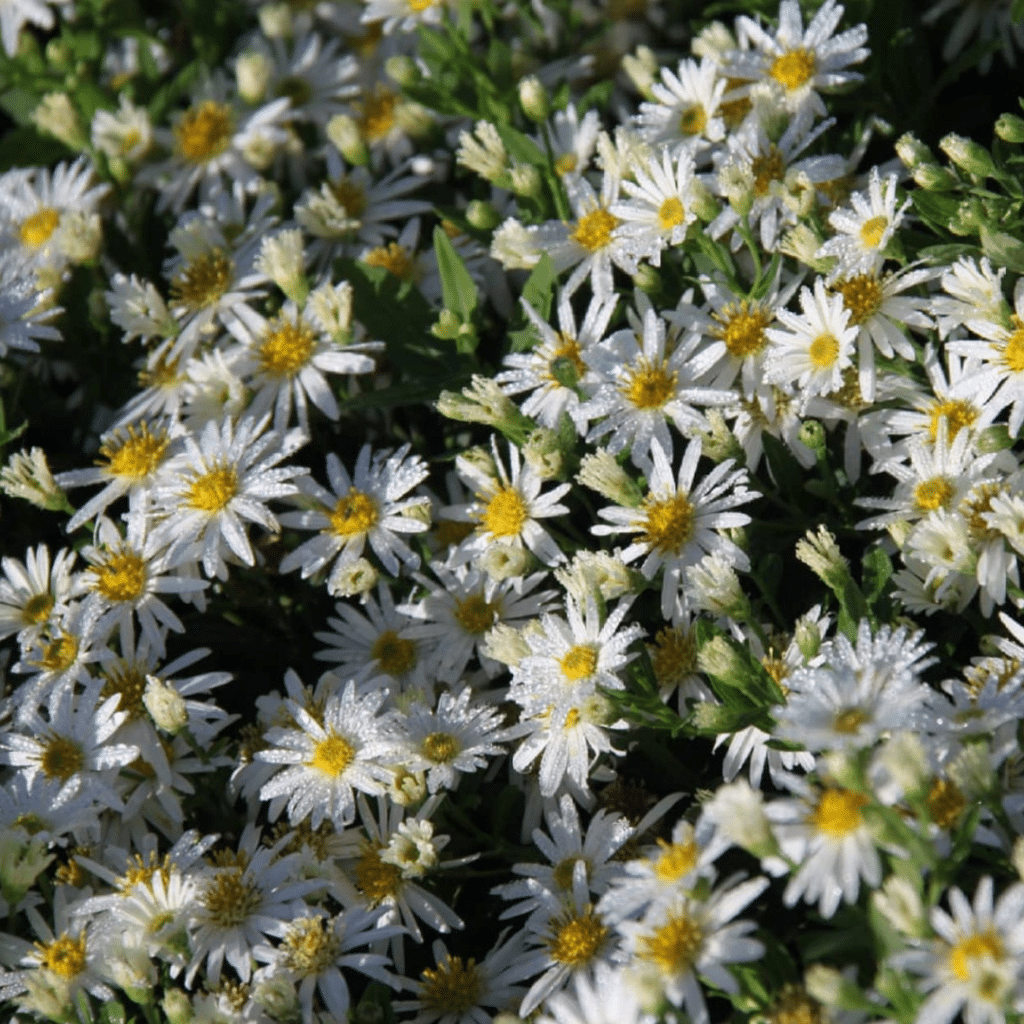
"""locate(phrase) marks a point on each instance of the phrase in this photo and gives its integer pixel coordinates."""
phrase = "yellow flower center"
(766, 169)
(934, 493)
(793, 69)
(795, 1006)
(566, 163)
(1013, 350)
(286, 348)
(59, 654)
(378, 115)
(675, 860)
(946, 803)
(594, 230)
(65, 956)
(674, 655)
(129, 681)
(578, 662)
(693, 120)
(203, 281)
(734, 111)
(36, 229)
(440, 747)
(350, 195)
(393, 653)
(648, 386)
(675, 945)
(475, 614)
(959, 413)
(824, 351)
(377, 879)
(136, 456)
(568, 351)
(668, 523)
(742, 328)
(37, 609)
(505, 513)
(121, 577)
(671, 213)
(451, 988)
(332, 756)
(576, 939)
(354, 514)
(838, 812)
(163, 374)
(61, 758)
(973, 947)
(572, 718)
(310, 946)
(203, 131)
(862, 295)
(230, 897)
(394, 258)
(871, 231)
(848, 722)
(212, 491)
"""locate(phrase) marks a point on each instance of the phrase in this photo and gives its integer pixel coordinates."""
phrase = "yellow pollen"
(693, 120)
(350, 195)
(766, 169)
(36, 230)
(824, 351)
(212, 491)
(121, 577)
(862, 295)
(32, 823)
(848, 722)
(946, 803)
(286, 348)
(976, 506)
(37, 609)
(230, 897)
(742, 328)
(377, 879)
(65, 956)
(578, 662)
(203, 281)
(566, 163)
(838, 812)
(575, 940)
(932, 494)
(985, 944)
(332, 756)
(795, 1006)
(671, 214)
(136, 456)
(1013, 350)
(61, 758)
(674, 655)
(129, 682)
(959, 413)
(675, 945)
(393, 653)
(568, 350)
(59, 654)
(793, 69)
(775, 667)
(648, 386)
(353, 515)
(378, 114)
(675, 860)
(418, 6)
(572, 718)
(141, 872)
(668, 523)
(871, 231)
(440, 747)
(394, 258)
(734, 111)
(453, 987)
(310, 946)
(505, 513)
(594, 230)
(203, 131)
(164, 374)
(475, 614)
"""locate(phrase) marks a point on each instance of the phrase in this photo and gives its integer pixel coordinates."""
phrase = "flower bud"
(968, 155)
(526, 181)
(533, 98)
(55, 115)
(912, 151)
(252, 76)
(344, 133)
(176, 1007)
(482, 215)
(1010, 128)
(401, 69)
(165, 705)
(276, 21)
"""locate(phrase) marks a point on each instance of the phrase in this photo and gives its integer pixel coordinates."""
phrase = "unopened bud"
(534, 99)
(165, 705)
(1010, 128)
(933, 178)
(482, 215)
(343, 131)
(276, 21)
(401, 69)
(526, 181)
(968, 155)
(176, 1006)
(912, 151)
(252, 76)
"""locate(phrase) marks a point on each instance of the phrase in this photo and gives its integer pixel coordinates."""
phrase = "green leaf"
(7, 436)
(1004, 250)
(112, 1012)
(537, 293)
(877, 571)
(460, 295)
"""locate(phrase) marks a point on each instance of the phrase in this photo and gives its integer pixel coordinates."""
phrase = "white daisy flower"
(679, 523)
(35, 592)
(16, 14)
(572, 140)
(25, 312)
(368, 507)
(203, 498)
(815, 347)
(685, 118)
(863, 232)
(607, 999)
(973, 299)
(348, 747)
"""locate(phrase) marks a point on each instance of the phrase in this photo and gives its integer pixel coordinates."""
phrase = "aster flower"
(607, 999)
(368, 506)
(36, 591)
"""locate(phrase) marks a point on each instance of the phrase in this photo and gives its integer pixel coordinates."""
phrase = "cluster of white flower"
(508, 629)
